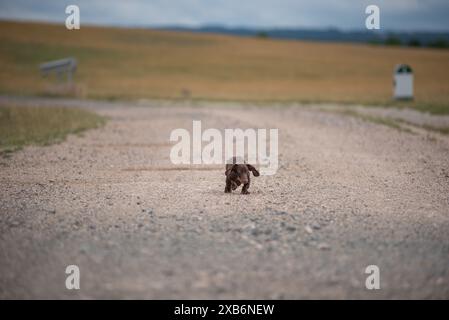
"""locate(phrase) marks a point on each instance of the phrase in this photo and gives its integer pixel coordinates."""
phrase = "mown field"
(136, 63)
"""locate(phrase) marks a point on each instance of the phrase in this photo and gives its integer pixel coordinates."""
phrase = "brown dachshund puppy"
(237, 174)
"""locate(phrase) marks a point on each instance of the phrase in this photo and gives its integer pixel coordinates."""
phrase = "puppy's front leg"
(245, 188)
(228, 186)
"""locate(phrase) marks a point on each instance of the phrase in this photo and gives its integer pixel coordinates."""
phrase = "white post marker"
(403, 82)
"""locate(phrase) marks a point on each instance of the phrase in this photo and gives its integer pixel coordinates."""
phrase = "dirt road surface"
(348, 194)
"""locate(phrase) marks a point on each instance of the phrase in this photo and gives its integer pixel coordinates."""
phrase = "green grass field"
(119, 63)
(20, 126)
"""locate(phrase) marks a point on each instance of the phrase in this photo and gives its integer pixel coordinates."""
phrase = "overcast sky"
(428, 15)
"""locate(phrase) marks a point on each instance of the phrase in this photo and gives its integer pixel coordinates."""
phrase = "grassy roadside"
(398, 124)
(431, 108)
(20, 125)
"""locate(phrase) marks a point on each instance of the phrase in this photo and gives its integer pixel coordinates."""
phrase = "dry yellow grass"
(135, 63)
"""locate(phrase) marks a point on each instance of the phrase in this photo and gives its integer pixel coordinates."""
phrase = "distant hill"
(432, 39)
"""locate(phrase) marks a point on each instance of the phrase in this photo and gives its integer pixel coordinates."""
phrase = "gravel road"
(348, 194)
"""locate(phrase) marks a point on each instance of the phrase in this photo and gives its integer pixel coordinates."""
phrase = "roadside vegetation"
(21, 126)
(398, 124)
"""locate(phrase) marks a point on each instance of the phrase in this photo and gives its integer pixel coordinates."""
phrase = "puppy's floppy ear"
(230, 168)
(253, 170)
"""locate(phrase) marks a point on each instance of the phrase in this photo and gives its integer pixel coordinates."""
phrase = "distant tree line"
(389, 38)
(394, 40)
